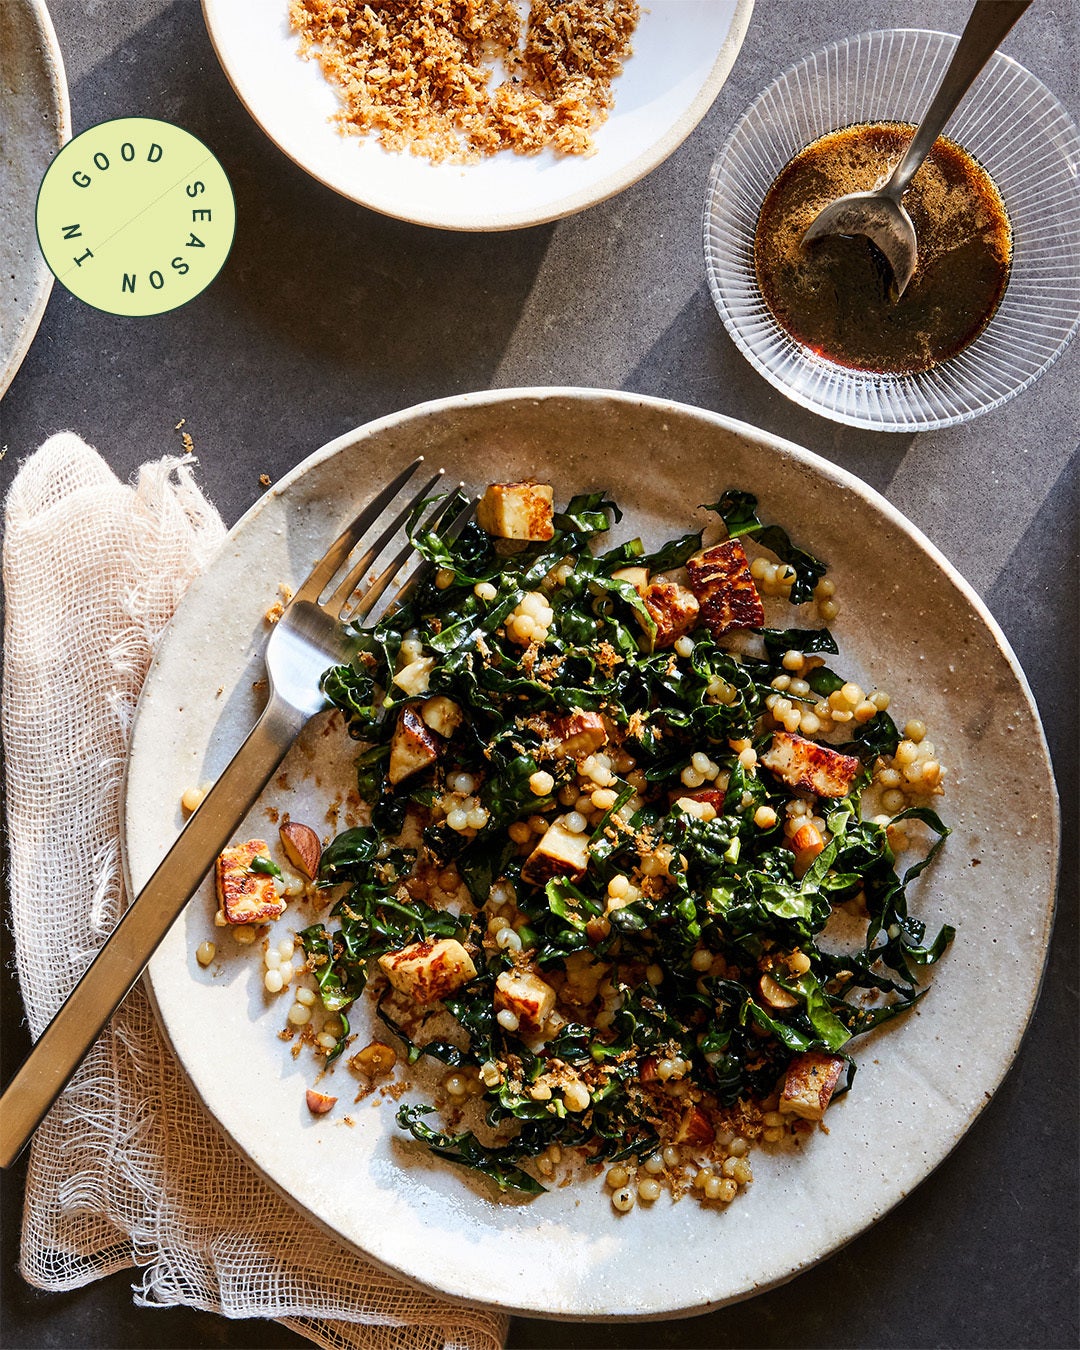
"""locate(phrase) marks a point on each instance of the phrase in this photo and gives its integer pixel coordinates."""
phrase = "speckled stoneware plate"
(683, 53)
(34, 123)
(909, 623)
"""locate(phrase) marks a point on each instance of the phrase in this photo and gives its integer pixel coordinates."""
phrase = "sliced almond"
(775, 995)
(302, 847)
(318, 1103)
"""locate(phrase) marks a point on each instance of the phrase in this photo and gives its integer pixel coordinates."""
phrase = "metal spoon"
(879, 214)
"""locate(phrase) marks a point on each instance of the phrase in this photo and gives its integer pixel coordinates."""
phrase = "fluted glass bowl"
(1009, 122)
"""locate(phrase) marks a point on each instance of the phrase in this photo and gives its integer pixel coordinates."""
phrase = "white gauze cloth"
(128, 1169)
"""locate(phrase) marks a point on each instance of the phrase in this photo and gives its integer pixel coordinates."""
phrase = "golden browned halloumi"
(413, 746)
(428, 971)
(526, 995)
(720, 578)
(578, 733)
(809, 1084)
(672, 608)
(560, 853)
(517, 511)
(805, 765)
(243, 895)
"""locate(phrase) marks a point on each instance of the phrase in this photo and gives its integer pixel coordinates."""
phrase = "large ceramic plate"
(909, 623)
(683, 52)
(34, 123)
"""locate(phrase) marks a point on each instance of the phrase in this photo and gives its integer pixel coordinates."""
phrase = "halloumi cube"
(578, 733)
(560, 853)
(809, 1084)
(243, 895)
(428, 971)
(673, 609)
(526, 995)
(517, 511)
(720, 578)
(805, 765)
(413, 746)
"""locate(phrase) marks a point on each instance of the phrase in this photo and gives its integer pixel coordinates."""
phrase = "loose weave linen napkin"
(128, 1169)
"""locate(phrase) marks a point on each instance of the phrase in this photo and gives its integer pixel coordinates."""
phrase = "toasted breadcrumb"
(418, 74)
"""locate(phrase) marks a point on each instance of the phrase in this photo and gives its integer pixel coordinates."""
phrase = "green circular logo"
(135, 216)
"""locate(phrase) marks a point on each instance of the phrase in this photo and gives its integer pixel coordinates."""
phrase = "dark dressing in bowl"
(835, 295)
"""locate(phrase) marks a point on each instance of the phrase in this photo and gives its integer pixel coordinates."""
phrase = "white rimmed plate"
(683, 52)
(909, 623)
(35, 121)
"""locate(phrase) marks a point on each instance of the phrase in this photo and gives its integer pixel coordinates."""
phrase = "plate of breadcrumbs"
(477, 114)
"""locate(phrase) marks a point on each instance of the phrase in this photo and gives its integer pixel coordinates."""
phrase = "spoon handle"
(986, 27)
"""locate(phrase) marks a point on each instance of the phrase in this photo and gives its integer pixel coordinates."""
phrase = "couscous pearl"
(508, 940)
(286, 947)
(691, 778)
(764, 817)
(444, 577)
(272, 982)
(244, 934)
(793, 660)
(742, 1172)
(306, 996)
(809, 724)
(772, 1119)
(540, 1092)
(728, 1191)
(507, 1020)
(654, 1163)
(866, 711)
(748, 758)
(893, 800)
(271, 958)
(799, 963)
(623, 1199)
(738, 1147)
(664, 1069)
(906, 752)
(781, 682)
(519, 832)
(576, 1097)
(617, 1176)
(799, 688)
(619, 887)
(700, 761)
(825, 589)
(484, 590)
(458, 819)
(477, 818)
(671, 1156)
(828, 609)
(879, 699)
(325, 1040)
(193, 798)
(915, 731)
(649, 1190)
(758, 568)
(205, 953)
(684, 646)
(604, 799)
(575, 822)
(461, 782)
(655, 975)
(701, 1178)
(541, 783)
(712, 1188)
(701, 960)
(299, 1015)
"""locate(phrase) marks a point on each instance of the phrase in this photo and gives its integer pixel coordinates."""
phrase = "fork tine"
(449, 535)
(372, 595)
(325, 569)
(336, 602)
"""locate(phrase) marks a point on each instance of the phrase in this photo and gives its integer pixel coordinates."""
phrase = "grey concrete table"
(327, 315)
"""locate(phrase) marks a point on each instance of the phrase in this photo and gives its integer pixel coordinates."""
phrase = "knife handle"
(82, 1016)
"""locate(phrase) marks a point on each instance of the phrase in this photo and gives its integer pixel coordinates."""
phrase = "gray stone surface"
(327, 315)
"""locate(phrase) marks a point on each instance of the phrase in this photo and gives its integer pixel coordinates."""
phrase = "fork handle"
(984, 32)
(82, 1016)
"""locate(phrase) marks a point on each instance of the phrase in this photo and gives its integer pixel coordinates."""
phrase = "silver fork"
(309, 637)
